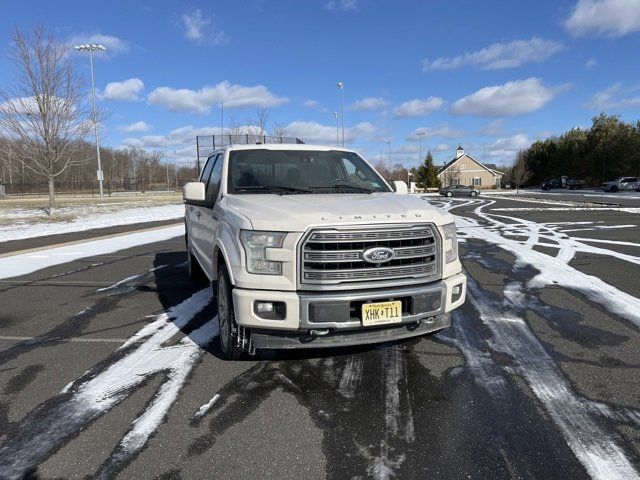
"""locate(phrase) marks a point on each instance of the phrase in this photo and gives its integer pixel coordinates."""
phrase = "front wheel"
(449, 194)
(228, 334)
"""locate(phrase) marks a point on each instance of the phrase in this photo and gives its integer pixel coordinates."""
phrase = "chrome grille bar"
(356, 255)
(382, 272)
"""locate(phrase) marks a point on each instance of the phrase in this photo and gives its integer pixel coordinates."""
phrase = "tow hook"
(428, 320)
(319, 333)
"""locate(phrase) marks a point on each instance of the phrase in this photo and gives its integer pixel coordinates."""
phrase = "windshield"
(301, 171)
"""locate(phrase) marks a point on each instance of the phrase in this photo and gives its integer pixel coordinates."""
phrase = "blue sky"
(493, 75)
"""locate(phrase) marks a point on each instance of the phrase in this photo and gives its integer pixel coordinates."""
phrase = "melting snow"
(22, 264)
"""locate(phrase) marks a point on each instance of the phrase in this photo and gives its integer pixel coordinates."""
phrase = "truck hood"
(296, 213)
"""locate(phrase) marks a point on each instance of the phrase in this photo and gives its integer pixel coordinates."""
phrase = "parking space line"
(73, 339)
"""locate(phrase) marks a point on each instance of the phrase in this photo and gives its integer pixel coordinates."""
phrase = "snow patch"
(88, 217)
(25, 263)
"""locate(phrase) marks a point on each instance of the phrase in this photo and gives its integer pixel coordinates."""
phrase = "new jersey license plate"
(381, 313)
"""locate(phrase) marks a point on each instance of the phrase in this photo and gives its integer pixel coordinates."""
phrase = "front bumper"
(425, 309)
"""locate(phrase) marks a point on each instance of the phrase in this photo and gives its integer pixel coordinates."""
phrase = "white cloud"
(140, 126)
(440, 131)
(500, 55)
(512, 98)
(310, 104)
(369, 103)
(509, 146)
(591, 63)
(406, 148)
(441, 147)
(615, 97)
(126, 90)
(611, 18)
(313, 132)
(198, 29)
(203, 100)
(492, 128)
(416, 108)
(114, 45)
(343, 5)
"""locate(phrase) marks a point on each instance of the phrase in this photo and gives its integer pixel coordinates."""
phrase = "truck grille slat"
(356, 255)
(332, 256)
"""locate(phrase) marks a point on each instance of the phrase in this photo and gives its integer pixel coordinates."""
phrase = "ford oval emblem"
(378, 255)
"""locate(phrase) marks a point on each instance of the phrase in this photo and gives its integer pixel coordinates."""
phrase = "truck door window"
(206, 171)
(213, 185)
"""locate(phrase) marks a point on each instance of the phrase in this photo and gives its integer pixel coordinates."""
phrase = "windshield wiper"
(283, 188)
(348, 185)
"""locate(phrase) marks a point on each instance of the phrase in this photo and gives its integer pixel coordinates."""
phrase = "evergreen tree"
(427, 174)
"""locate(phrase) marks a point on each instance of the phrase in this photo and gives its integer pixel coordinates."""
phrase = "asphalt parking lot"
(109, 367)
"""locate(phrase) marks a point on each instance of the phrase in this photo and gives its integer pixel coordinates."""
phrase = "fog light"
(264, 307)
(270, 310)
(456, 293)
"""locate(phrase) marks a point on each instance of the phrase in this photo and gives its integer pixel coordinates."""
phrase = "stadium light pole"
(335, 115)
(389, 150)
(341, 87)
(94, 48)
(420, 134)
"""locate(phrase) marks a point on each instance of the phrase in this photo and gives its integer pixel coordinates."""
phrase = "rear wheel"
(231, 336)
(449, 194)
(473, 194)
(614, 188)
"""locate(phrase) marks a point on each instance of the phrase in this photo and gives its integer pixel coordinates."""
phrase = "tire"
(448, 194)
(194, 270)
(227, 326)
(473, 194)
(614, 188)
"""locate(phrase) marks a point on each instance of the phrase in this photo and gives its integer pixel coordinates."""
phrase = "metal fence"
(207, 144)
(91, 189)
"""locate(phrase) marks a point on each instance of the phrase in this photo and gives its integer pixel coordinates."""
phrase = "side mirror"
(399, 187)
(193, 192)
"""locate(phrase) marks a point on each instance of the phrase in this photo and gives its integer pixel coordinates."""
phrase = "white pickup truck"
(308, 246)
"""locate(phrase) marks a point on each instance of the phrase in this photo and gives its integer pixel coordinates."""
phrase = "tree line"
(610, 148)
(124, 167)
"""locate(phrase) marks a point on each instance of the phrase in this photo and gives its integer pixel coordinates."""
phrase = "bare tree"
(47, 109)
(519, 173)
(261, 120)
(449, 175)
(278, 129)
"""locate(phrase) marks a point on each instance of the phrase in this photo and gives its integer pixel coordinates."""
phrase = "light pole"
(341, 87)
(335, 115)
(420, 134)
(93, 48)
(389, 150)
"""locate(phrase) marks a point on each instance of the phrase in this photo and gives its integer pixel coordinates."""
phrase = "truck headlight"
(450, 242)
(255, 245)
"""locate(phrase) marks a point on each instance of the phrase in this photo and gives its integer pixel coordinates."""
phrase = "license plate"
(381, 313)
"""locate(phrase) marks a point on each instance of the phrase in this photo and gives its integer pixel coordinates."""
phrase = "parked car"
(562, 182)
(459, 191)
(622, 183)
(308, 246)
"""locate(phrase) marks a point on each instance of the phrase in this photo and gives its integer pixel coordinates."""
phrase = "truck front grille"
(332, 256)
